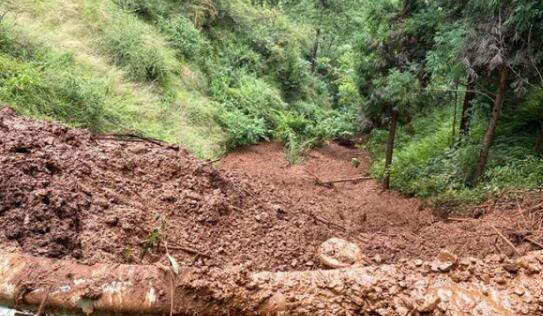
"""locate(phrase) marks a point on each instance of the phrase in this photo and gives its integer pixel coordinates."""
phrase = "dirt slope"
(65, 193)
(386, 225)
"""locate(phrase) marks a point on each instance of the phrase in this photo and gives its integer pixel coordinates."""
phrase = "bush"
(242, 129)
(183, 36)
(147, 9)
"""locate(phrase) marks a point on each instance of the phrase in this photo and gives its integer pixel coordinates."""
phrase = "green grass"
(89, 64)
(150, 67)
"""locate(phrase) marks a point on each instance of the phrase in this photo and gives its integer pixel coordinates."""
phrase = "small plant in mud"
(157, 238)
(151, 242)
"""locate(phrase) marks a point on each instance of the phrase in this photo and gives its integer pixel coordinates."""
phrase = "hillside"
(208, 76)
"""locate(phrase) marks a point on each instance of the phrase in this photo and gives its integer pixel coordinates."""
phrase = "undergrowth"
(426, 165)
(178, 72)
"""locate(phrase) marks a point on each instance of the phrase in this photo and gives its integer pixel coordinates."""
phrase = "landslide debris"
(66, 193)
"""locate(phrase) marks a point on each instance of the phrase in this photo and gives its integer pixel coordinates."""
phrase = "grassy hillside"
(207, 75)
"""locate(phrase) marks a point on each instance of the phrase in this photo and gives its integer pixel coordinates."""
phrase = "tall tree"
(500, 44)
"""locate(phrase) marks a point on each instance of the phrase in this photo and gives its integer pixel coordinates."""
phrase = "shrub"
(183, 36)
(147, 9)
(242, 129)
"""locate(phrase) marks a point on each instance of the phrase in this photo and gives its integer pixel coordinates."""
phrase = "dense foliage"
(451, 91)
(471, 120)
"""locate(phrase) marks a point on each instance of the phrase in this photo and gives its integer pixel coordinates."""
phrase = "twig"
(505, 239)
(533, 208)
(528, 239)
(463, 219)
(319, 219)
(317, 180)
(136, 138)
(43, 302)
(347, 180)
(210, 162)
(190, 250)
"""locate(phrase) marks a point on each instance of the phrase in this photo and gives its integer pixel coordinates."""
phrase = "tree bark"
(410, 288)
(466, 110)
(491, 130)
(390, 148)
(539, 141)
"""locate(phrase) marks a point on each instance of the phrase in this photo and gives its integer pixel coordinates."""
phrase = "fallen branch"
(210, 162)
(533, 208)
(464, 219)
(507, 241)
(43, 302)
(357, 179)
(136, 138)
(322, 220)
(189, 250)
(172, 293)
(530, 240)
(316, 179)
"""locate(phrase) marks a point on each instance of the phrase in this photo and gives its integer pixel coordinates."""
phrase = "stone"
(338, 253)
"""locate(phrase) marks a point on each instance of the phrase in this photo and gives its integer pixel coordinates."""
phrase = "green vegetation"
(463, 81)
(210, 75)
(213, 75)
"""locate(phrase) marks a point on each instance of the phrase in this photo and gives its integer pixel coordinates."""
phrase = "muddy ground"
(66, 193)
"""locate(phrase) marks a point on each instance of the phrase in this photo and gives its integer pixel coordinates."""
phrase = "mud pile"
(66, 193)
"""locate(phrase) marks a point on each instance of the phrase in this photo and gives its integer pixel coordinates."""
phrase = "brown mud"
(386, 225)
(66, 193)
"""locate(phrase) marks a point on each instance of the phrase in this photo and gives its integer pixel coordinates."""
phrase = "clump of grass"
(132, 44)
(38, 83)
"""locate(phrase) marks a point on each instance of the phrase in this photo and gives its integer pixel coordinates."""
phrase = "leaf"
(174, 264)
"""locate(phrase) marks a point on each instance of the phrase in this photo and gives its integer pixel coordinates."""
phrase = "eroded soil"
(386, 225)
(66, 193)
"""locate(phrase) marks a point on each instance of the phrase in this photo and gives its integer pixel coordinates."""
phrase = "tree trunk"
(390, 148)
(315, 50)
(453, 132)
(539, 141)
(399, 289)
(491, 130)
(466, 110)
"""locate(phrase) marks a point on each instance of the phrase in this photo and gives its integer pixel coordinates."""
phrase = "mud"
(444, 286)
(66, 193)
(386, 225)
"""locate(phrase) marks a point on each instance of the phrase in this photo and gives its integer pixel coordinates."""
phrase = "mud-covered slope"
(66, 193)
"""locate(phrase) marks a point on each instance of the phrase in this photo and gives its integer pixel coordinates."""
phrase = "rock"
(429, 304)
(446, 261)
(511, 268)
(446, 256)
(337, 253)
(519, 292)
